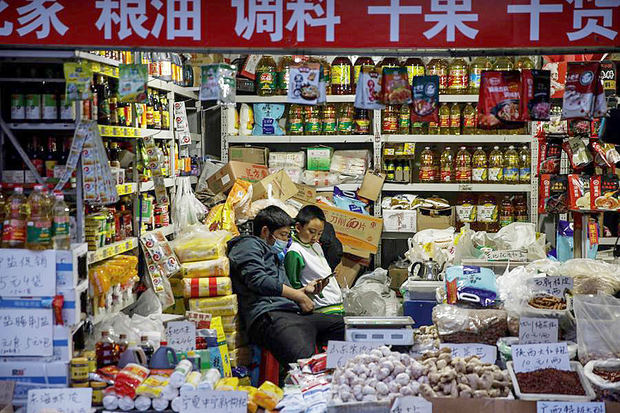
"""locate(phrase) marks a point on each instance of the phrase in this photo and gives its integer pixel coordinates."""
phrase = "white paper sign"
(339, 352)
(530, 357)
(68, 400)
(553, 285)
(181, 335)
(570, 407)
(538, 330)
(506, 255)
(25, 273)
(26, 332)
(410, 404)
(487, 353)
(200, 401)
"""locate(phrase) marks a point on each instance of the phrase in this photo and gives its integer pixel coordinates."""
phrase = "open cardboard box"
(222, 180)
(249, 154)
(435, 218)
(360, 234)
(282, 187)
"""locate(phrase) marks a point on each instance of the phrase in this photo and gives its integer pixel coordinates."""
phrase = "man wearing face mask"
(277, 316)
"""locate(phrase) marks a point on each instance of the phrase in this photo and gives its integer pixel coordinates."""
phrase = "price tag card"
(506, 255)
(487, 353)
(339, 352)
(200, 401)
(530, 357)
(26, 332)
(68, 400)
(181, 335)
(570, 407)
(538, 330)
(410, 404)
(26, 273)
(553, 285)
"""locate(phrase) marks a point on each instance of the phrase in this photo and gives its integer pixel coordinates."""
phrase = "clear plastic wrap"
(350, 162)
(371, 296)
(462, 325)
(206, 287)
(591, 276)
(200, 244)
(219, 267)
(598, 326)
(604, 388)
(216, 306)
(187, 210)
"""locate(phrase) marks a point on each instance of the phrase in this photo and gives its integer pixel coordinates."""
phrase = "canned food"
(79, 369)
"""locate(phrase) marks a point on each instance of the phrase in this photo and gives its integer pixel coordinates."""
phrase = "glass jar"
(330, 122)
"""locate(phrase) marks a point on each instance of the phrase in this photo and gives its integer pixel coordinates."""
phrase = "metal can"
(91, 356)
(81, 384)
(98, 388)
(79, 369)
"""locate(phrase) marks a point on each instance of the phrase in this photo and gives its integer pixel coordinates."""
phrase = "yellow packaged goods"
(236, 339)
(152, 387)
(241, 356)
(206, 287)
(217, 306)
(222, 217)
(219, 267)
(201, 244)
(117, 270)
(268, 395)
(227, 384)
(251, 391)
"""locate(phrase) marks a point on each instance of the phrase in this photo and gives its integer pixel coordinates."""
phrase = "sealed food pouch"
(201, 244)
(499, 103)
(227, 384)
(219, 267)
(425, 91)
(268, 395)
(129, 379)
(217, 306)
(152, 387)
(191, 381)
(206, 287)
(251, 391)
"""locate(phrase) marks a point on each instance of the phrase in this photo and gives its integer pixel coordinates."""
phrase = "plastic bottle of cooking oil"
(446, 165)
(444, 119)
(525, 167)
(16, 212)
(496, 166)
(61, 237)
(463, 165)
(427, 166)
(479, 170)
(455, 119)
(511, 166)
(39, 224)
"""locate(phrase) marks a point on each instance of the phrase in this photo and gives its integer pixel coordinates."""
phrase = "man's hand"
(313, 287)
(305, 303)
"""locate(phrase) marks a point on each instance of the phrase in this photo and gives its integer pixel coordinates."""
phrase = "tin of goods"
(79, 369)
(98, 388)
(83, 384)
(92, 360)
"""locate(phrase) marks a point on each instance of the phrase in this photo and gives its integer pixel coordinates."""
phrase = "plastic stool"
(269, 368)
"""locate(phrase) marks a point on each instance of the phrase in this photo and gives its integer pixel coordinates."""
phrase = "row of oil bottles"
(456, 76)
(509, 166)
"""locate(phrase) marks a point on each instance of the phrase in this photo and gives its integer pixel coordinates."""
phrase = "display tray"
(575, 366)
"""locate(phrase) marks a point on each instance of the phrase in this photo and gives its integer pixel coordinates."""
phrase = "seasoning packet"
(132, 83)
(604, 194)
(600, 156)
(577, 153)
(553, 194)
(303, 84)
(578, 191)
(550, 150)
(368, 91)
(266, 117)
(499, 103)
(219, 83)
(425, 91)
(584, 96)
(78, 78)
(395, 86)
(536, 92)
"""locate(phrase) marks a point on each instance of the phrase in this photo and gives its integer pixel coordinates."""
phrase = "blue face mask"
(279, 247)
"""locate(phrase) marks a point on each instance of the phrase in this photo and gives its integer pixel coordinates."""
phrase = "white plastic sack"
(261, 204)
(465, 248)
(187, 210)
(437, 244)
(598, 326)
(591, 276)
(599, 382)
(371, 296)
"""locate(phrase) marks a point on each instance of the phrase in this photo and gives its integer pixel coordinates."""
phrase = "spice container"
(79, 369)
(98, 388)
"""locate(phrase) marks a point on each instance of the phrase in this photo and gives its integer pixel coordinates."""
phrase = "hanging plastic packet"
(499, 102)
(181, 126)
(78, 78)
(578, 191)
(266, 117)
(577, 153)
(536, 94)
(425, 99)
(582, 83)
(550, 150)
(471, 284)
(154, 161)
(161, 253)
(322, 86)
(348, 201)
(74, 153)
(98, 185)
(303, 84)
(600, 156)
(604, 192)
(132, 81)
(553, 194)
(611, 154)
(368, 90)
(395, 88)
(219, 83)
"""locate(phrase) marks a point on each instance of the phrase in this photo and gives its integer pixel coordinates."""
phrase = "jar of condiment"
(345, 119)
(312, 120)
(330, 122)
(295, 120)
(98, 388)
(389, 123)
(79, 369)
(361, 122)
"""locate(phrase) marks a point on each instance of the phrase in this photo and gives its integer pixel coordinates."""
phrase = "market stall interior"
(309, 233)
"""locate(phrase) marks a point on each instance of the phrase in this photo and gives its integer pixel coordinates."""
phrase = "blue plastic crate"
(420, 310)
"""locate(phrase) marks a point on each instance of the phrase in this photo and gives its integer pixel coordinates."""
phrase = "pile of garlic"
(385, 375)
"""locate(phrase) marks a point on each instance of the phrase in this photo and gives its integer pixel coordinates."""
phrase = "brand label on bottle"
(474, 78)
(18, 110)
(505, 220)
(479, 174)
(341, 75)
(267, 81)
(390, 124)
(496, 174)
(33, 107)
(362, 126)
(313, 125)
(469, 121)
(457, 80)
(455, 122)
(345, 125)
(67, 111)
(463, 174)
(486, 213)
(446, 174)
(427, 174)
(444, 121)
(525, 175)
(14, 231)
(38, 232)
(466, 213)
(296, 126)
(60, 226)
(404, 121)
(50, 107)
(511, 174)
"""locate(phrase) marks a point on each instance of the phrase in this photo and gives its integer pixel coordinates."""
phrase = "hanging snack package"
(219, 83)
(550, 154)
(395, 86)
(368, 91)
(425, 99)
(266, 117)
(535, 94)
(303, 84)
(499, 101)
(582, 83)
(578, 154)
(553, 196)
(78, 78)
(604, 193)
(208, 85)
(156, 245)
(578, 191)
(132, 83)
(600, 155)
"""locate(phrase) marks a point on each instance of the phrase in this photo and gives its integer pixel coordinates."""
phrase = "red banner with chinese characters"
(311, 24)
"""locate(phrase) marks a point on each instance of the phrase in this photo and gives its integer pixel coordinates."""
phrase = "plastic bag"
(465, 248)
(437, 244)
(219, 267)
(605, 389)
(206, 287)
(222, 218)
(591, 276)
(187, 210)
(598, 326)
(240, 198)
(462, 325)
(371, 296)
(261, 204)
(216, 306)
(200, 244)
(471, 284)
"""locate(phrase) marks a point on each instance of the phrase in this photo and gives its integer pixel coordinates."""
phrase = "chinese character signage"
(308, 24)
(339, 352)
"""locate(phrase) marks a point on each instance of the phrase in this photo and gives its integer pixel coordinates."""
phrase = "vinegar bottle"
(479, 168)
(16, 212)
(427, 166)
(511, 166)
(106, 350)
(61, 237)
(506, 212)
(496, 166)
(463, 165)
(342, 76)
(39, 224)
(446, 166)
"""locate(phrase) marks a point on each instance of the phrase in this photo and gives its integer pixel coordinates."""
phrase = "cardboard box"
(371, 186)
(433, 219)
(399, 220)
(223, 180)
(249, 154)
(71, 266)
(356, 231)
(398, 276)
(347, 272)
(305, 194)
(282, 187)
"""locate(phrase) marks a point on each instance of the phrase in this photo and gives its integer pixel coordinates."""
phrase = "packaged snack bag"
(206, 287)
(536, 91)
(266, 117)
(499, 103)
(219, 267)
(583, 92)
(395, 86)
(129, 379)
(425, 99)
(303, 86)
(368, 90)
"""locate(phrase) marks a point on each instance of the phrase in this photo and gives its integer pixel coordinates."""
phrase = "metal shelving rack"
(378, 139)
(106, 67)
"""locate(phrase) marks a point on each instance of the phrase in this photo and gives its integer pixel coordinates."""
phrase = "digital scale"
(382, 330)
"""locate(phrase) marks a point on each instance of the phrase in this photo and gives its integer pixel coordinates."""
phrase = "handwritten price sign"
(181, 335)
(553, 285)
(568, 407)
(339, 352)
(411, 404)
(538, 330)
(25, 273)
(26, 332)
(200, 401)
(487, 353)
(531, 357)
(60, 400)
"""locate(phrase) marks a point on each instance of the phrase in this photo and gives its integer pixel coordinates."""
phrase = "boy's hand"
(304, 302)
(313, 287)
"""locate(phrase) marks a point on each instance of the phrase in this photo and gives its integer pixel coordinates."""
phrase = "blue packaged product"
(471, 284)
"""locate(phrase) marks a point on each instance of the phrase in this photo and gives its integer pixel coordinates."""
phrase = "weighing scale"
(381, 330)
